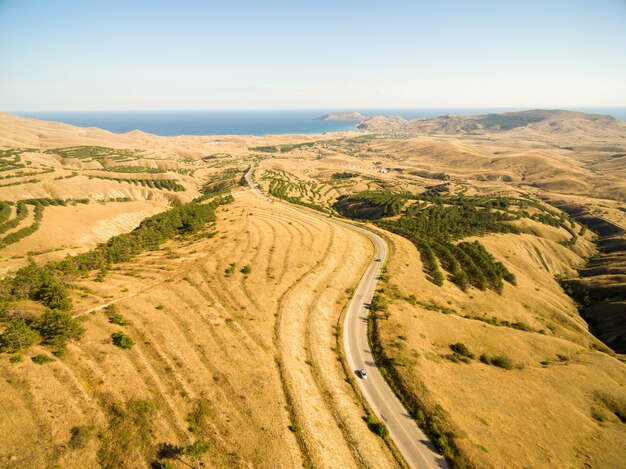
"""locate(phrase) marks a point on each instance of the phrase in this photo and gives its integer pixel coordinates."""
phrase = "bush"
(376, 426)
(122, 340)
(18, 336)
(58, 328)
(246, 269)
(197, 449)
(115, 317)
(230, 270)
(379, 303)
(118, 319)
(17, 358)
(502, 361)
(80, 436)
(130, 434)
(461, 351)
(198, 417)
(41, 359)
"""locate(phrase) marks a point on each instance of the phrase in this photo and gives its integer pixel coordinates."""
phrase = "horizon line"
(327, 109)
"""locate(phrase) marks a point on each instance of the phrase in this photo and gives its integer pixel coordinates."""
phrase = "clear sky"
(230, 54)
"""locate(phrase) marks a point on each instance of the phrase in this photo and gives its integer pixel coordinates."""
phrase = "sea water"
(171, 123)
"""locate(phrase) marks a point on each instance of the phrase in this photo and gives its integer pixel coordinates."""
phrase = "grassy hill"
(181, 325)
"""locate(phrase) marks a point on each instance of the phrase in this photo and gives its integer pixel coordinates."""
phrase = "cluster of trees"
(133, 169)
(283, 148)
(50, 201)
(26, 231)
(279, 188)
(435, 191)
(222, 183)
(453, 222)
(47, 284)
(371, 204)
(435, 223)
(469, 264)
(22, 174)
(53, 328)
(344, 175)
(19, 183)
(10, 159)
(92, 151)
(5, 212)
(21, 212)
(166, 184)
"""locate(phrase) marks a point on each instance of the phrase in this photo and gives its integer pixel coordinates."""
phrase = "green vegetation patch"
(165, 184)
(128, 439)
(133, 169)
(288, 187)
(121, 340)
(284, 148)
(93, 152)
(371, 204)
(434, 223)
(41, 359)
(47, 284)
(54, 329)
(509, 121)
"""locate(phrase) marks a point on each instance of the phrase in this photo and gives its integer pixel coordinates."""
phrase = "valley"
(235, 300)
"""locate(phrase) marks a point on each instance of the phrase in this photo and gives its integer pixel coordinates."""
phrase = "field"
(219, 324)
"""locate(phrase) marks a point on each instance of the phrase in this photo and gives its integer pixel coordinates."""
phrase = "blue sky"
(192, 54)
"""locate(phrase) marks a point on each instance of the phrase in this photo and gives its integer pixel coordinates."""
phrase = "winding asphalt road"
(415, 447)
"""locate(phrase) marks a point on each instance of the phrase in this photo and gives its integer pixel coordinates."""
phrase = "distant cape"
(342, 116)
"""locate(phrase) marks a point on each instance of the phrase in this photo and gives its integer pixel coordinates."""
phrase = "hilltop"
(523, 124)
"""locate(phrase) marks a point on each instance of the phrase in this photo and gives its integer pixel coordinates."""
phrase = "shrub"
(58, 328)
(246, 269)
(118, 319)
(17, 358)
(80, 436)
(18, 336)
(41, 359)
(502, 361)
(461, 349)
(230, 270)
(130, 434)
(617, 405)
(122, 340)
(197, 449)
(376, 426)
(379, 303)
(199, 415)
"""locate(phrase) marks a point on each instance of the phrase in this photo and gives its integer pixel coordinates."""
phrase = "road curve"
(415, 447)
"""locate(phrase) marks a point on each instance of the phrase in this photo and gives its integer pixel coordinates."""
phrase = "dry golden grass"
(256, 353)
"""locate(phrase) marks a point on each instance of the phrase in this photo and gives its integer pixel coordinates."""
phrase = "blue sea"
(171, 123)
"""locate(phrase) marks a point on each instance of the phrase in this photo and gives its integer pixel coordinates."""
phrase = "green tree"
(58, 328)
(196, 450)
(18, 336)
(122, 340)
(52, 293)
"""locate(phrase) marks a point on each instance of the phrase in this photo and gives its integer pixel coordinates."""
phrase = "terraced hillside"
(228, 357)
